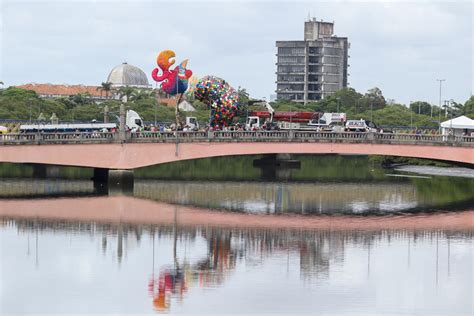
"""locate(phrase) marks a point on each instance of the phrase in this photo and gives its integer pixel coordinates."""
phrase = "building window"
(291, 51)
(291, 59)
(315, 68)
(314, 96)
(314, 87)
(290, 69)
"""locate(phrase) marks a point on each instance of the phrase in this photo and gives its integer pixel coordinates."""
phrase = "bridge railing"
(58, 138)
(223, 136)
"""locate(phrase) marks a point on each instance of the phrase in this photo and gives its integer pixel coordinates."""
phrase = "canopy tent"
(458, 125)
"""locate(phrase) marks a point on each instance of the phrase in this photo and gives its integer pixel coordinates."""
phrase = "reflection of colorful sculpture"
(221, 97)
(211, 271)
(170, 281)
(174, 81)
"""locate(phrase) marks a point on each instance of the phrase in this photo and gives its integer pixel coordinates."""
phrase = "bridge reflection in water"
(184, 246)
(381, 197)
(175, 250)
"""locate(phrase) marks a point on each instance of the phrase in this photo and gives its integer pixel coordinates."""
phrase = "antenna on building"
(309, 16)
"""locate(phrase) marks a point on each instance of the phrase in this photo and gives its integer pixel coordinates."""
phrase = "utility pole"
(371, 116)
(440, 85)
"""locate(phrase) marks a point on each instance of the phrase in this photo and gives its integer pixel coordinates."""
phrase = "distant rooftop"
(47, 89)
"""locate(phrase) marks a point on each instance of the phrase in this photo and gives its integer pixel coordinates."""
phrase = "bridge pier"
(113, 181)
(45, 171)
(275, 167)
(120, 182)
(277, 160)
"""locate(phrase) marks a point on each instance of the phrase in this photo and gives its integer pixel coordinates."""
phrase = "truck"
(293, 120)
(192, 123)
(329, 122)
(273, 119)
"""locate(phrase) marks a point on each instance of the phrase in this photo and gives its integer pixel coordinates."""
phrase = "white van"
(361, 126)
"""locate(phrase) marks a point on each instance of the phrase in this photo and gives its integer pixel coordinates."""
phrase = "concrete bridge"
(105, 151)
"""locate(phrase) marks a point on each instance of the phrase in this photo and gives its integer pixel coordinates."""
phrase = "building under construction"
(314, 68)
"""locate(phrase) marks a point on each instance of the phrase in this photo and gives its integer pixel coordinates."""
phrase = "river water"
(337, 236)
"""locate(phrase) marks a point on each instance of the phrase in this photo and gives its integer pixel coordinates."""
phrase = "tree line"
(20, 104)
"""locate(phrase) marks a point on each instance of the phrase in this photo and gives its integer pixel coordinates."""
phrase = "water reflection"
(382, 197)
(186, 258)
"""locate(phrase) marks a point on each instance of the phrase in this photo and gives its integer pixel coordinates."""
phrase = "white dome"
(128, 75)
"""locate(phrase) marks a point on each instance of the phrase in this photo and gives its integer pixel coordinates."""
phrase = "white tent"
(458, 125)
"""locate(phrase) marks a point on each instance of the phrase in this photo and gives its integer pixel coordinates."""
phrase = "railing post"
(370, 136)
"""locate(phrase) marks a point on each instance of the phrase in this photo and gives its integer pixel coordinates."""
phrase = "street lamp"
(440, 85)
(451, 110)
(411, 118)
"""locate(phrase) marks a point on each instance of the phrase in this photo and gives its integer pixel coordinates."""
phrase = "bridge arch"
(136, 155)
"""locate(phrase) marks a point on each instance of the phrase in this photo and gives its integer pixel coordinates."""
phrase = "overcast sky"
(402, 47)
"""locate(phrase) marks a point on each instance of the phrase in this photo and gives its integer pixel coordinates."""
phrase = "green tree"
(373, 99)
(126, 92)
(105, 87)
(141, 94)
(468, 108)
(243, 95)
(421, 107)
(81, 99)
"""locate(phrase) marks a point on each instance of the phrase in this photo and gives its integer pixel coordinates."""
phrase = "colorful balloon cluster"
(174, 81)
(221, 97)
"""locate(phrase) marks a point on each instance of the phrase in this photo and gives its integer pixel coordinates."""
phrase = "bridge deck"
(235, 136)
(109, 151)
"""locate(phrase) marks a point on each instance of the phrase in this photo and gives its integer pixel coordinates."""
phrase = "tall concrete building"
(314, 68)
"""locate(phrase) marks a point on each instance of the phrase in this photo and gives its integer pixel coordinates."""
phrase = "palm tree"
(141, 94)
(126, 92)
(105, 86)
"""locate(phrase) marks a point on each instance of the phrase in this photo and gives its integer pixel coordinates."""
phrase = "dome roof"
(128, 75)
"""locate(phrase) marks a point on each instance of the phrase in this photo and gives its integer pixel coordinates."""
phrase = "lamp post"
(291, 116)
(411, 118)
(371, 115)
(440, 85)
(451, 111)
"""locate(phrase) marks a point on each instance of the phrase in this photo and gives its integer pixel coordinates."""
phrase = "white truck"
(192, 123)
(133, 121)
(361, 126)
(329, 122)
(294, 120)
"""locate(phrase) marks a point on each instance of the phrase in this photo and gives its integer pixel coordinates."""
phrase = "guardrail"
(234, 136)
